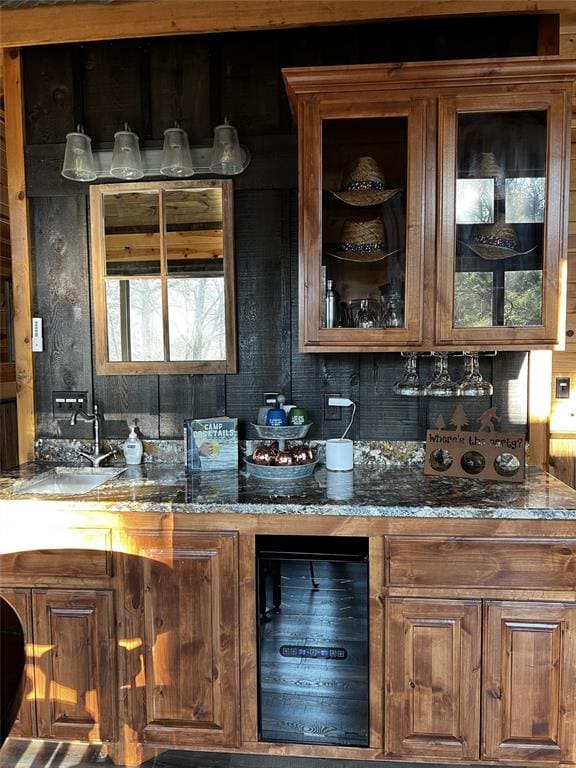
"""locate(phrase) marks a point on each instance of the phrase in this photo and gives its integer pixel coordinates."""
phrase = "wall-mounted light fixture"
(176, 159)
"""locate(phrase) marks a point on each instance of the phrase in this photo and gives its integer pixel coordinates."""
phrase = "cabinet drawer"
(473, 562)
(66, 552)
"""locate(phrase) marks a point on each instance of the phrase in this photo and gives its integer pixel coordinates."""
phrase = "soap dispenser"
(133, 447)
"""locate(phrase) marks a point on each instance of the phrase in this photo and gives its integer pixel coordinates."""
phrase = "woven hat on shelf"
(484, 165)
(362, 241)
(363, 183)
(495, 241)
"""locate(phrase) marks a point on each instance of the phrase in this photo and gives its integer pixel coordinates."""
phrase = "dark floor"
(28, 754)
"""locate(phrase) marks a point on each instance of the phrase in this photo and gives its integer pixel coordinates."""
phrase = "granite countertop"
(367, 491)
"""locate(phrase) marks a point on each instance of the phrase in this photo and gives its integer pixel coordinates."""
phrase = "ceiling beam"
(149, 18)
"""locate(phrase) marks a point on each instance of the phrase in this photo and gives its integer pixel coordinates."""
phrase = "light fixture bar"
(152, 159)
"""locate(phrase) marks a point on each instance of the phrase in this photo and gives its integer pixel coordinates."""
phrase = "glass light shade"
(126, 160)
(78, 161)
(227, 156)
(176, 159)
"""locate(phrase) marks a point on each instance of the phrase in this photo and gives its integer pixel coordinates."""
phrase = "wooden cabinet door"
(433, 678)
(530, 682)
(187, 591)
(20, 600)
(503, 217)
(74, 661)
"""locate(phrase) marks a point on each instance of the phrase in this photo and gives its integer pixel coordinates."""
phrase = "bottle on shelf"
(331, 306)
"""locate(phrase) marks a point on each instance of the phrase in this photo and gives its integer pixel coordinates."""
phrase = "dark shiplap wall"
(199, 80)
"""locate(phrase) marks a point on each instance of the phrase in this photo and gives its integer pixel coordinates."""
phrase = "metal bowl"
(290, 472)
(282, 433)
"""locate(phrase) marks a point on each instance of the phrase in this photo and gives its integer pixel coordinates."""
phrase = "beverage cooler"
(313, 670)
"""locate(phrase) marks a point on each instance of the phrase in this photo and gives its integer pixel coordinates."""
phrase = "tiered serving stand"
(281, 434)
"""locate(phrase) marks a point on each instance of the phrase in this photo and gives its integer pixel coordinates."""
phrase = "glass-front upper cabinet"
(433, 203)
(502, 197)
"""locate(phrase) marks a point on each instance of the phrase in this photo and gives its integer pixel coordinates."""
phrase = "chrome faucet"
(95, 458)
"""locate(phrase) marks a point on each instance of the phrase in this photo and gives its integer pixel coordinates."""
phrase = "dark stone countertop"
(385, 492)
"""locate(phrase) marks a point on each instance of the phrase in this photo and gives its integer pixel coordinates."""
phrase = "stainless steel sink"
(69, 481)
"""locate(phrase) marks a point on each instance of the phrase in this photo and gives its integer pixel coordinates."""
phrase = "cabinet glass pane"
(364, 176)
(500, 218)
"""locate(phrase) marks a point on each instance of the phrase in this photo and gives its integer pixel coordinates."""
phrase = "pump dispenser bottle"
(133, 447)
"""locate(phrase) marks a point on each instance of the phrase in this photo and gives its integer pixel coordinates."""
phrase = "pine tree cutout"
(459, 418)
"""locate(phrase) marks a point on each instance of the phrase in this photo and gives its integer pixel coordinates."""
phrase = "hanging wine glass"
(441, 384)
(473, 383)
(409, 384)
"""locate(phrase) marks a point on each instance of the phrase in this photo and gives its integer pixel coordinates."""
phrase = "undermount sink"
(69, 481)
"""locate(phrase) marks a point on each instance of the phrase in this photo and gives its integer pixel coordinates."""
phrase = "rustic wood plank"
(181, 83)
(113, 89)
(124, 399)
(189, 397)
(148, 18)
(49, 75)
(20, 243)
(539, 400)
(60, 250)
(563, 460)
(263, 288)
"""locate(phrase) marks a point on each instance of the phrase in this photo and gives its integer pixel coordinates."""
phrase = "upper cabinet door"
(501, 221)
(361, 182)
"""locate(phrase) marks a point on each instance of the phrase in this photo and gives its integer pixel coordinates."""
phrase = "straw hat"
(363, 183)
(495, 241)
(484, 165)
(361, 241)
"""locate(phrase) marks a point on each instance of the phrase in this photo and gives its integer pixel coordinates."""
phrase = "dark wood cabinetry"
(433, 678)
(71, 678)
(530, 682)
(433, 197)
(185, 585)
(472, 635)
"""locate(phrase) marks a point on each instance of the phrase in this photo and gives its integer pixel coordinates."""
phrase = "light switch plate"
(37, 343)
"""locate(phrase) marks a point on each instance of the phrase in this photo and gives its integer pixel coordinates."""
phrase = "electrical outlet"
(332, 412)
(65, 403)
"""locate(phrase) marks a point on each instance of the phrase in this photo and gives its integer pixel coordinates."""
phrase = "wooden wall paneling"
(510, 381)
(189, 397)
(563, 460)
(49, 93)
(539, 401)
(124, 399)
(20, 243)
(263, 302)
(382, 414)
(60, 251)
(8, 432)
(251, 87)
(45, 24)
(113, 89)
(43, 172)
(180, 83)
